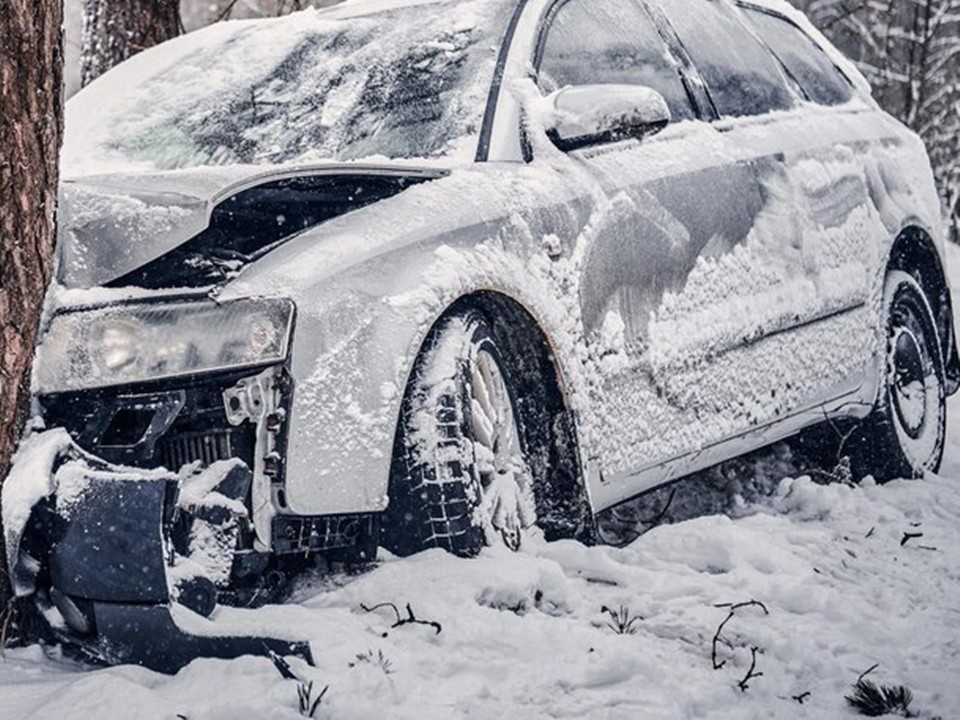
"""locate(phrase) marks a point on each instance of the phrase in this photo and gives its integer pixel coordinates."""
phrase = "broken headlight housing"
(142, 342)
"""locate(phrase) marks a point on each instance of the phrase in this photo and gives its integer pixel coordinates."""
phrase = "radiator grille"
(186, 447)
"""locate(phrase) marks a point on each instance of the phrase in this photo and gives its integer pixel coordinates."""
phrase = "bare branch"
(717, 637)
(750, 671)
(225, 13)
(866, 672)
(410, 619)
(909, 536)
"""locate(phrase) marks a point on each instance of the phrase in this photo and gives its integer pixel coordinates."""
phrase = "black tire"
(904, 436)
(445, 490)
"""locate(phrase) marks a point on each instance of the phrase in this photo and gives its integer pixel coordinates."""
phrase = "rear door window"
(817, 76)
(743, 78)
(615, 41)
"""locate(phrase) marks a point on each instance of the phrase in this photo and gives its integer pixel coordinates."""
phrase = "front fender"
(360, 328)
(349, 391)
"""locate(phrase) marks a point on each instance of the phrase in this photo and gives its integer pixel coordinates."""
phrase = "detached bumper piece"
(109, 543)
(121, 630)
(102, 551)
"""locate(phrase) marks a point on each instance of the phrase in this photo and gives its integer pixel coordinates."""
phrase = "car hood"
(110, 226)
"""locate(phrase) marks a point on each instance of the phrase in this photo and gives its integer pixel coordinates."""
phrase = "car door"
(692, 260)
(812, 256)
(667, 312)
(827, 152)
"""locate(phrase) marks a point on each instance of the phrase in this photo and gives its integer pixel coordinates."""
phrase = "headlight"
(137, 343)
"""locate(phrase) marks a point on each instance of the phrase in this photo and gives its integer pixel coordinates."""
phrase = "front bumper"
(106, 535)
(100, 555)
(121, 630)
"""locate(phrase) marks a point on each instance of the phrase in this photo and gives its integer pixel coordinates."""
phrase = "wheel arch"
(915, 253)
(548, 427)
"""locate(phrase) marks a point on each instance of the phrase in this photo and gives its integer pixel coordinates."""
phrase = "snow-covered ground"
(850, 578)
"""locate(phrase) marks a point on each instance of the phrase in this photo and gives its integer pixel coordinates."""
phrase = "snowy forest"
(464, 352)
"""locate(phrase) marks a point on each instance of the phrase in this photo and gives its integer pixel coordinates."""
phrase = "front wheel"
(460, 478)
(904, 436)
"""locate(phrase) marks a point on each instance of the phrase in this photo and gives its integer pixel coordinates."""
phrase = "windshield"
(348, 83)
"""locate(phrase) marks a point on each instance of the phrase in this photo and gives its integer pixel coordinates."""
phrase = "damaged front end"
(101, 557)
(159, 499)
(170, 410)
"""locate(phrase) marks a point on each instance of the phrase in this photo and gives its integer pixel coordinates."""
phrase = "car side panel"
(368, 287)
(859, 178)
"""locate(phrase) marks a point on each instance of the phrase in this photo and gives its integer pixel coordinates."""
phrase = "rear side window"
(813, 71)
(589, 42)
(742, 76)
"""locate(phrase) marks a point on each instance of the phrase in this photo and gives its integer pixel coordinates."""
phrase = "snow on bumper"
(86, 515)
(93, 542)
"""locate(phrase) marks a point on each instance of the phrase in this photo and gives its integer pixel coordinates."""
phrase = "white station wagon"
(435, 273)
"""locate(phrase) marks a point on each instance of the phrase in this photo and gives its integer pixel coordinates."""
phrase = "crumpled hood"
(111, 225)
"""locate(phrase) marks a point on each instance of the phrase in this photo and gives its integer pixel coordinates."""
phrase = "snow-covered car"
(434, 273)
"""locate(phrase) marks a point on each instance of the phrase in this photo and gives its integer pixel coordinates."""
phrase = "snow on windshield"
(355, 82)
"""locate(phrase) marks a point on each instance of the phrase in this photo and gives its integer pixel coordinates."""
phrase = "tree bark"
(114, 30)
(31, 95)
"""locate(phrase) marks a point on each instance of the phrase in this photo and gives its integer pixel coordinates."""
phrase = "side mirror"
(594, 114)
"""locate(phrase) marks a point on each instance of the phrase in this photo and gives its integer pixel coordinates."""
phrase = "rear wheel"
(904, 436)
(461, 477)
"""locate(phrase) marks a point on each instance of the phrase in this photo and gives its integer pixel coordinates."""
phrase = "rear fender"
(916, 252)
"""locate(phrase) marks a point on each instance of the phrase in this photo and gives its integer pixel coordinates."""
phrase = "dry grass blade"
(621, 621)
(874, 700)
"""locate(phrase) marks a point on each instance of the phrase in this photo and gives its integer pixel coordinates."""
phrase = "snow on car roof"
(361, 80)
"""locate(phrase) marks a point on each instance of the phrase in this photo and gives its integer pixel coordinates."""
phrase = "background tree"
(114, 30)
(102, 33)
(31, 95)
(909, 50)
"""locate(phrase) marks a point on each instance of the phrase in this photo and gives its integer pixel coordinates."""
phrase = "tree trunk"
(31, 95)
(114, 30)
